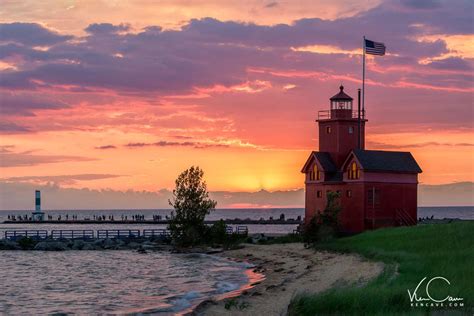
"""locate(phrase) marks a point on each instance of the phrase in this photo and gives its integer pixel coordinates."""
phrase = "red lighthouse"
(377, 188)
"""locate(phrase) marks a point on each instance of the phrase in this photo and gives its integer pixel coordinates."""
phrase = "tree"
(191, 204)
(330, 215)
(324, 226)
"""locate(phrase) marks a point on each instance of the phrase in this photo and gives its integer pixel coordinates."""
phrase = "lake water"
(115, 282)
(440, 212)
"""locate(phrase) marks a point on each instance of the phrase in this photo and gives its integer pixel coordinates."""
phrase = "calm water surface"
(114, 282)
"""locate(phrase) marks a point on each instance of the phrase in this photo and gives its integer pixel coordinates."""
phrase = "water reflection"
(116, 282)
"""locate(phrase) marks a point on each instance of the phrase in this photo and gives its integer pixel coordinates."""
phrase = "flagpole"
(358, 120)
(363, 79)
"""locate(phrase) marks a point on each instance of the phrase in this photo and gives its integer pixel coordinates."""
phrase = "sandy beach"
(289, 269)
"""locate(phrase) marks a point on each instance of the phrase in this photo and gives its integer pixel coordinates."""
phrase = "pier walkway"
(236, 221)
(70, 234)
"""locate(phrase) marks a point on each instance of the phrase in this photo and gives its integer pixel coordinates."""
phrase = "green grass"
(410, 254)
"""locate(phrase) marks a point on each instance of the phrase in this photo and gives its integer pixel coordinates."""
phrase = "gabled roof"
(388, 161)
(324, 160)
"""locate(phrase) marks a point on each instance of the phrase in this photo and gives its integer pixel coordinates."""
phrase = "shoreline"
(289, 269)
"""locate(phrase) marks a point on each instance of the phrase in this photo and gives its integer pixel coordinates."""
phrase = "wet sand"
(289, 269)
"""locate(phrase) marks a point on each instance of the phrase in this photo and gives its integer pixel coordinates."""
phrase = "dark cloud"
(10, 50)
(271, 4)
(61, 179)
(9, 159)
(106, 147)
(173, 144)
(7, 127)
(27, 104)
(18, 195)
(6, 148)
(208, 52)
(451, 194)
(378, 145)
(181, 137)
(421, 4)
(452, 63)
(31, 34)
(106, 28)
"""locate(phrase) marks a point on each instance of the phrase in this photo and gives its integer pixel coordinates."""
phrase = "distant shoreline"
(217, 209)
(148, 222)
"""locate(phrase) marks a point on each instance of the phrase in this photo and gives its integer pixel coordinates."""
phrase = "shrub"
(324, 226)
(26, 243)
(218, 232)
(191, 204)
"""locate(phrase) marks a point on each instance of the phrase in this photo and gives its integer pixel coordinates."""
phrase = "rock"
(215, 250)
(98, 242)
(6, 244)
(141, 250)
(109, 244)
(119, 242)
(51, 246)
(133, 245)
(78, 244)
(258, 237)
(89, 246)
(149, 247)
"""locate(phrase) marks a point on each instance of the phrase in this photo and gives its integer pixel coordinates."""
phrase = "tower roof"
(341, 96)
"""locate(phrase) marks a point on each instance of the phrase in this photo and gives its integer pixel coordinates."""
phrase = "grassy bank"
(410, 254)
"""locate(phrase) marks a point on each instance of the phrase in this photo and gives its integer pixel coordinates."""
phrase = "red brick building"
(377, 188)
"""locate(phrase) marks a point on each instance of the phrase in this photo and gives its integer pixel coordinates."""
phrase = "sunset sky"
(124, 95)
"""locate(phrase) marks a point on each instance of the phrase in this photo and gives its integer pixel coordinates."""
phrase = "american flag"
(374, 48)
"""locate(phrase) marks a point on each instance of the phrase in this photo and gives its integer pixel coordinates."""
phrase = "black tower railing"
(336, 114)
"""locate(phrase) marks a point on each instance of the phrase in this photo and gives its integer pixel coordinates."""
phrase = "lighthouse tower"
(339, 128)
(38, 215)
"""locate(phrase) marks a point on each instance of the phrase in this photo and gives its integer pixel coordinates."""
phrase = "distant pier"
(236, 221)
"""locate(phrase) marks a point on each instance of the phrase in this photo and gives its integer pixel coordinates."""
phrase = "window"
(328, 129)
(349, 193)
(319, 194)
(353, 171)
(373, 198)
(314, 174)
(351, 130)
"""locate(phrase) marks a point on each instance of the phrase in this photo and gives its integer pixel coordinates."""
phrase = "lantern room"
(341, 105)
